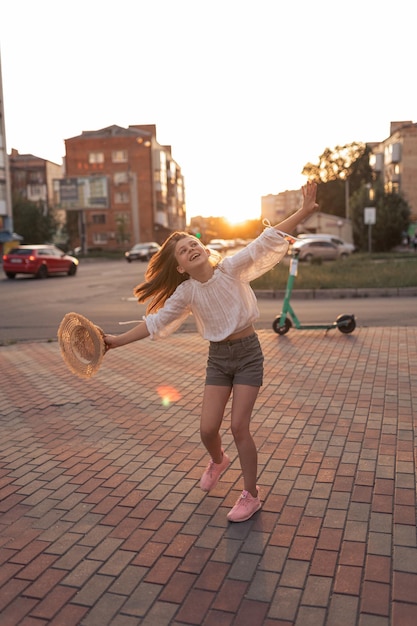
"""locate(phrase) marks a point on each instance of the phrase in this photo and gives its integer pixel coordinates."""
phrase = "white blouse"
(226, 303)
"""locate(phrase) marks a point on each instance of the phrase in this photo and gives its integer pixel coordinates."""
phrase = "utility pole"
(347, 205)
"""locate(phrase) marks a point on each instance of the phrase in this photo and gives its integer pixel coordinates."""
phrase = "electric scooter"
(282, 323)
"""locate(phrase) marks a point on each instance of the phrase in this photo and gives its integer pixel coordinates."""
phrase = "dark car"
(142, 251)
(40, 260)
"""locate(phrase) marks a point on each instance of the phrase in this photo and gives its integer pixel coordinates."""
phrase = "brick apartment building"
(144, 196)
(395, 160)
(32, 178)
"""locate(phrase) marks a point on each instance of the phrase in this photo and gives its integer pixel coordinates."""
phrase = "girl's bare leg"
(244, 398)
(214, 403)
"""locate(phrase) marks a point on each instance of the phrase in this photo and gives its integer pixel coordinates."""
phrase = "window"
(119, 156)
(99, 238)
(123, 218)
(120, 178)
(19, 177)
(96, 157)
(99, 219)
(35, 177)
(36, 192)
(122, 227)
(172, 172)
(121, 197)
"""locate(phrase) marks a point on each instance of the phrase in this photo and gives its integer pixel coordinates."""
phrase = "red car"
(40, 260)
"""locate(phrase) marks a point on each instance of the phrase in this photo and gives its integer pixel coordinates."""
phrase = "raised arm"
(309, 206)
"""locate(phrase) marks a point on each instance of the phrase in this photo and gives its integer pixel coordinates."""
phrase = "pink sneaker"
(213, 472)
(244, 508)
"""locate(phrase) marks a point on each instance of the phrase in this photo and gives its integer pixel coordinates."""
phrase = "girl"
(186, 277)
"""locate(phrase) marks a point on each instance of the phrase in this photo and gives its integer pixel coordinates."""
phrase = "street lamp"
(345, 176)
(370, 214)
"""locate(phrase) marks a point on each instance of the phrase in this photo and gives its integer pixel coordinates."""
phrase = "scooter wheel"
(281, 330)
(346, 323)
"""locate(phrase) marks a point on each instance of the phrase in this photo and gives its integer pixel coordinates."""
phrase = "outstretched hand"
(140, 331)
(110, 341)
(309, 205)
(309, 194)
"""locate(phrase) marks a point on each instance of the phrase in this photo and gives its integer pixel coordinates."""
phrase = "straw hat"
(82, 345)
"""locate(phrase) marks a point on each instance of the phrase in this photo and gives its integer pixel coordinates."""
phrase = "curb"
(326, 294)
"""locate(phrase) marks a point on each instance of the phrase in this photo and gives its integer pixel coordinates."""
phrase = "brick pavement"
(103, 523)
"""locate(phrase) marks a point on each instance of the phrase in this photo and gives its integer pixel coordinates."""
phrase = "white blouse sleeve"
(170, 317)
(258, 257)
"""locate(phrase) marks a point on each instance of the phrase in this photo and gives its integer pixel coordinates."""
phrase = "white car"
(218, 244)
(316, 248)
(346, 247)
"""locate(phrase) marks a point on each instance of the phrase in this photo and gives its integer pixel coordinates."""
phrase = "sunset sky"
(245, 92)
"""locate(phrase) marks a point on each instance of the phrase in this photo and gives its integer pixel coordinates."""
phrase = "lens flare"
(168, 394)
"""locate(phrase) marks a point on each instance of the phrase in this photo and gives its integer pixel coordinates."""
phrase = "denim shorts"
(235, 362)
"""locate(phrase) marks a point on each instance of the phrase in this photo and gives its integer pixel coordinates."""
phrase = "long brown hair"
(162, 277)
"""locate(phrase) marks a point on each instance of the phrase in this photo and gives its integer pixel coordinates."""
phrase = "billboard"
(84, 192)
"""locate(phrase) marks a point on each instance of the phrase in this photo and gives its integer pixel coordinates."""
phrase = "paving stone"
(294, 573)
(161, 614)
(375, 598)
(102, 520)
(311, 616)
(141, 599)
(195, 606)
(343, 610)
(104, 610)
(284, 605)
(263, 586)
(317, 591)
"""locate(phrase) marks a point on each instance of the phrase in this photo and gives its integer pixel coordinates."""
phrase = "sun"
(236, 221)
(237, 217)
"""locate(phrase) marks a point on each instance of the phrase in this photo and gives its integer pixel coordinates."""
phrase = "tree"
(349, 164)
(335, 167)
(71, 229)
(392, 218)
(32, 221)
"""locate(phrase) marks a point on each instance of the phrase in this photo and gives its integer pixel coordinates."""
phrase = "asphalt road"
(32, 309)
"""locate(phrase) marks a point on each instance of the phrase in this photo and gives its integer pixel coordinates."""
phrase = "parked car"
(218, 244)
(347, 247)
(309, 249)
(40, 260)
(142, 251)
